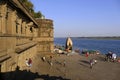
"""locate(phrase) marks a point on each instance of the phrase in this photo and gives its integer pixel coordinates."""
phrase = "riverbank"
(76, 67)
(66, 67)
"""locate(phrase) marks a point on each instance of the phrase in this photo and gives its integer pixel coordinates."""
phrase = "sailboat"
(69, 44)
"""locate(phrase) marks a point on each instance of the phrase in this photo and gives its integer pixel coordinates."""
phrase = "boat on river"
(69, 44)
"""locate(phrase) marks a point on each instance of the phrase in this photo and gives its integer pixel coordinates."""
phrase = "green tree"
(30, 6)
(38, 14)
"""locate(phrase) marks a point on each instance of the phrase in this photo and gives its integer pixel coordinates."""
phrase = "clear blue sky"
(82, 17)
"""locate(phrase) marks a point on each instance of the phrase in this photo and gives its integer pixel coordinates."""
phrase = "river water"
(103, 45)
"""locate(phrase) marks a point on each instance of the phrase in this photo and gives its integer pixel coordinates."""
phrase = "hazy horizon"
(82, 17)
(89, 36)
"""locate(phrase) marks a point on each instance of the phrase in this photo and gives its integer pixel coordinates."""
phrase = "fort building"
(22, 36)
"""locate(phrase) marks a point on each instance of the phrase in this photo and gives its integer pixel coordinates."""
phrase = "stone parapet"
(45, 21)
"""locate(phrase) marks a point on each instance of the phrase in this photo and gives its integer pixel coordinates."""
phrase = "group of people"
(49, 61)
(111, 57)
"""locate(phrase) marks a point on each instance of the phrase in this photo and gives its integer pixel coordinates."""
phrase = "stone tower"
(45, 36)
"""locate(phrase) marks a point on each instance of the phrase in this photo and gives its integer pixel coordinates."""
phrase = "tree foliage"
(37, 14)
(30, 7)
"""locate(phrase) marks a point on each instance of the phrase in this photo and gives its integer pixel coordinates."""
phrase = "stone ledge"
(14, 35)
(24, 47)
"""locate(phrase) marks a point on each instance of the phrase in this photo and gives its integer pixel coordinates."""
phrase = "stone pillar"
(3, 11)
(9, 21)
(13, 22)
(23, 27)
(2, 24)
(27, 30)
(19, 21)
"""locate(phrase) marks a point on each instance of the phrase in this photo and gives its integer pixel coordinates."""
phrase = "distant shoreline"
(106, 38)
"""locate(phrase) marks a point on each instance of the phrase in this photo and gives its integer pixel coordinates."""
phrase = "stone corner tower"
(45, 37)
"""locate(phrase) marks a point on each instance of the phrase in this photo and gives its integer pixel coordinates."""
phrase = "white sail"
(69, 43)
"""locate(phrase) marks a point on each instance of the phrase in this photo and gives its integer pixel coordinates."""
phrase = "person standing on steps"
(26, 62)
(114, 56)
(30, 62)
(91, 63)
(64, 63)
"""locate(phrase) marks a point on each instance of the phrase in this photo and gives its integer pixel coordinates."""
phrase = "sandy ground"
(76, 67)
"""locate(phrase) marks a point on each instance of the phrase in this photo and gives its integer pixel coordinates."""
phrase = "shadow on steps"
(27, 75)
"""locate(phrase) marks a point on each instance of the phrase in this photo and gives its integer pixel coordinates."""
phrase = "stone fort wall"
(21, 36)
